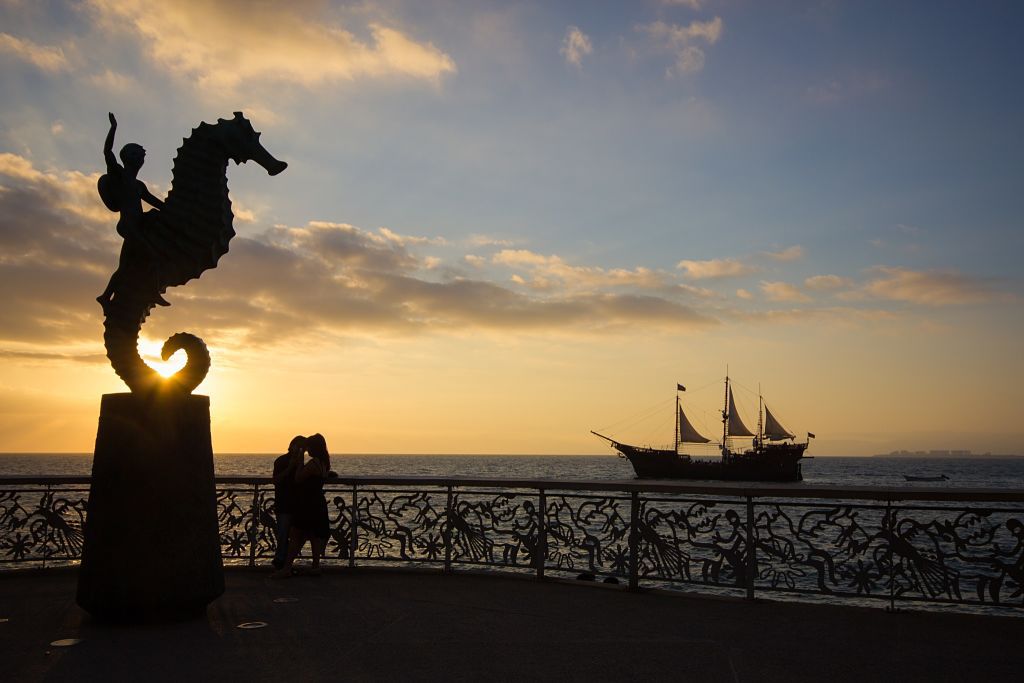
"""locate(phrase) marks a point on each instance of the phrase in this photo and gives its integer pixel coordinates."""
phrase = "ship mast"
(677, 421)
(760, 418)
(725, 414)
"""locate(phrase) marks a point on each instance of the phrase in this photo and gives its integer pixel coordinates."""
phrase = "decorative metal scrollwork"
(42, 525)
(586, 534)
(917, 553)
(932, 553)
(398, 525)
(696, 542)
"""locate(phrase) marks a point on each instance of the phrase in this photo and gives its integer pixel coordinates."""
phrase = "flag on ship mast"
(680, 387)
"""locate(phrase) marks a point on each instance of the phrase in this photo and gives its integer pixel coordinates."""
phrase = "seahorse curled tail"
(122, 326)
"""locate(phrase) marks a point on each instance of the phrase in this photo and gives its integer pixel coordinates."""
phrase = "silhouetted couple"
(300, 503)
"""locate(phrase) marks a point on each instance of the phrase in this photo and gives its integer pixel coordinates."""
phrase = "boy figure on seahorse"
(122, 191)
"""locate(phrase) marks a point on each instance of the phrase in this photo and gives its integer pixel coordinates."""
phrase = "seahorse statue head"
(242, 143)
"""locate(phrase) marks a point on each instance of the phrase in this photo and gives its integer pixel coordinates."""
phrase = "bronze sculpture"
(151, 545)
(172, 243)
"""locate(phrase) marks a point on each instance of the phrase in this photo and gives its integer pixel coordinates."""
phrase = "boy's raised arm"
(108, 144)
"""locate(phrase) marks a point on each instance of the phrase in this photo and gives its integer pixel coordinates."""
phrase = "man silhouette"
(122, 191)
(285, 468)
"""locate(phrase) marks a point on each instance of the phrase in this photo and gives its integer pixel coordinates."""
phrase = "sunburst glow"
(150, 352)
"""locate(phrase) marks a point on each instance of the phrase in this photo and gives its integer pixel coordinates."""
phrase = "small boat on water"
(772, 455)
(910, 477)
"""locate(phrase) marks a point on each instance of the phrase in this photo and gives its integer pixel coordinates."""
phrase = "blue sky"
(701, 170)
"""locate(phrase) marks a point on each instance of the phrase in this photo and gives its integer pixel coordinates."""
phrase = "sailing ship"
(773, 453)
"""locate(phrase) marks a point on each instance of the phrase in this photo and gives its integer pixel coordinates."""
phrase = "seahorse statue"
(175, 244)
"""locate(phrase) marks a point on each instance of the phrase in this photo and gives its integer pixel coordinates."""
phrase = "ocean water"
(973, 472)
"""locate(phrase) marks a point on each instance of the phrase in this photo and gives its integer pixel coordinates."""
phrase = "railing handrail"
(703, 488)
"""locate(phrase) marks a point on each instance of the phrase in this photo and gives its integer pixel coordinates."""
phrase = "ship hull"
(772, 462)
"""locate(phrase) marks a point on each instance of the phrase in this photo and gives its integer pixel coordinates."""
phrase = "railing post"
(448, 513)
(891, 522)
(541, 552)
(46, 527)
(634, 541)
(751, 549)
(354, 542)
(253, 522)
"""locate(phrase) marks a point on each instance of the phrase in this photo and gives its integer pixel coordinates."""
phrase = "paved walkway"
(392, 626)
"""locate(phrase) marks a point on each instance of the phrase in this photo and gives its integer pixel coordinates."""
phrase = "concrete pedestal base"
(152, 546)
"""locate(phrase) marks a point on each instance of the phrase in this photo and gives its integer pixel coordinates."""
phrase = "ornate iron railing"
(925, 545)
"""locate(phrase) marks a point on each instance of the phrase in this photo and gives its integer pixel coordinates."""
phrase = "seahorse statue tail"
(122, 326)
(197, 365)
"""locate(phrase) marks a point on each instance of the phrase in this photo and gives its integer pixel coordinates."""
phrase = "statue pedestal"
(152, 545)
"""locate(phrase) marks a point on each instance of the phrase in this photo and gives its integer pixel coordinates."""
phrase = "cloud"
(679, 40)
(44, 57)
(113, 81)
(403, 240)
(552, 272)
(227, 43)
(827, 282)
(715, 268)
(744, 294)
(321, 280)
(68, 191)
(36, 355)
(689, 59)
(930, 288)
(477, 240)
(53, 253)
(344, 244)
(18, 168)
(575, 46)
(692, 4)
(701, 292)
(839, 315)
(794, 253)
(783, 291)
(243, 214)
(519, 257)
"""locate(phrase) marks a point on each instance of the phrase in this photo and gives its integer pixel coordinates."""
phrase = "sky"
(505, 224)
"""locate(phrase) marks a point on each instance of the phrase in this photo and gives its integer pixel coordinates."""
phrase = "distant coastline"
(957, 454)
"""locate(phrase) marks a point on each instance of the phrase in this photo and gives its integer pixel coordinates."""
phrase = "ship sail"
(772, 428)
(736, 426)
(688, 433)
